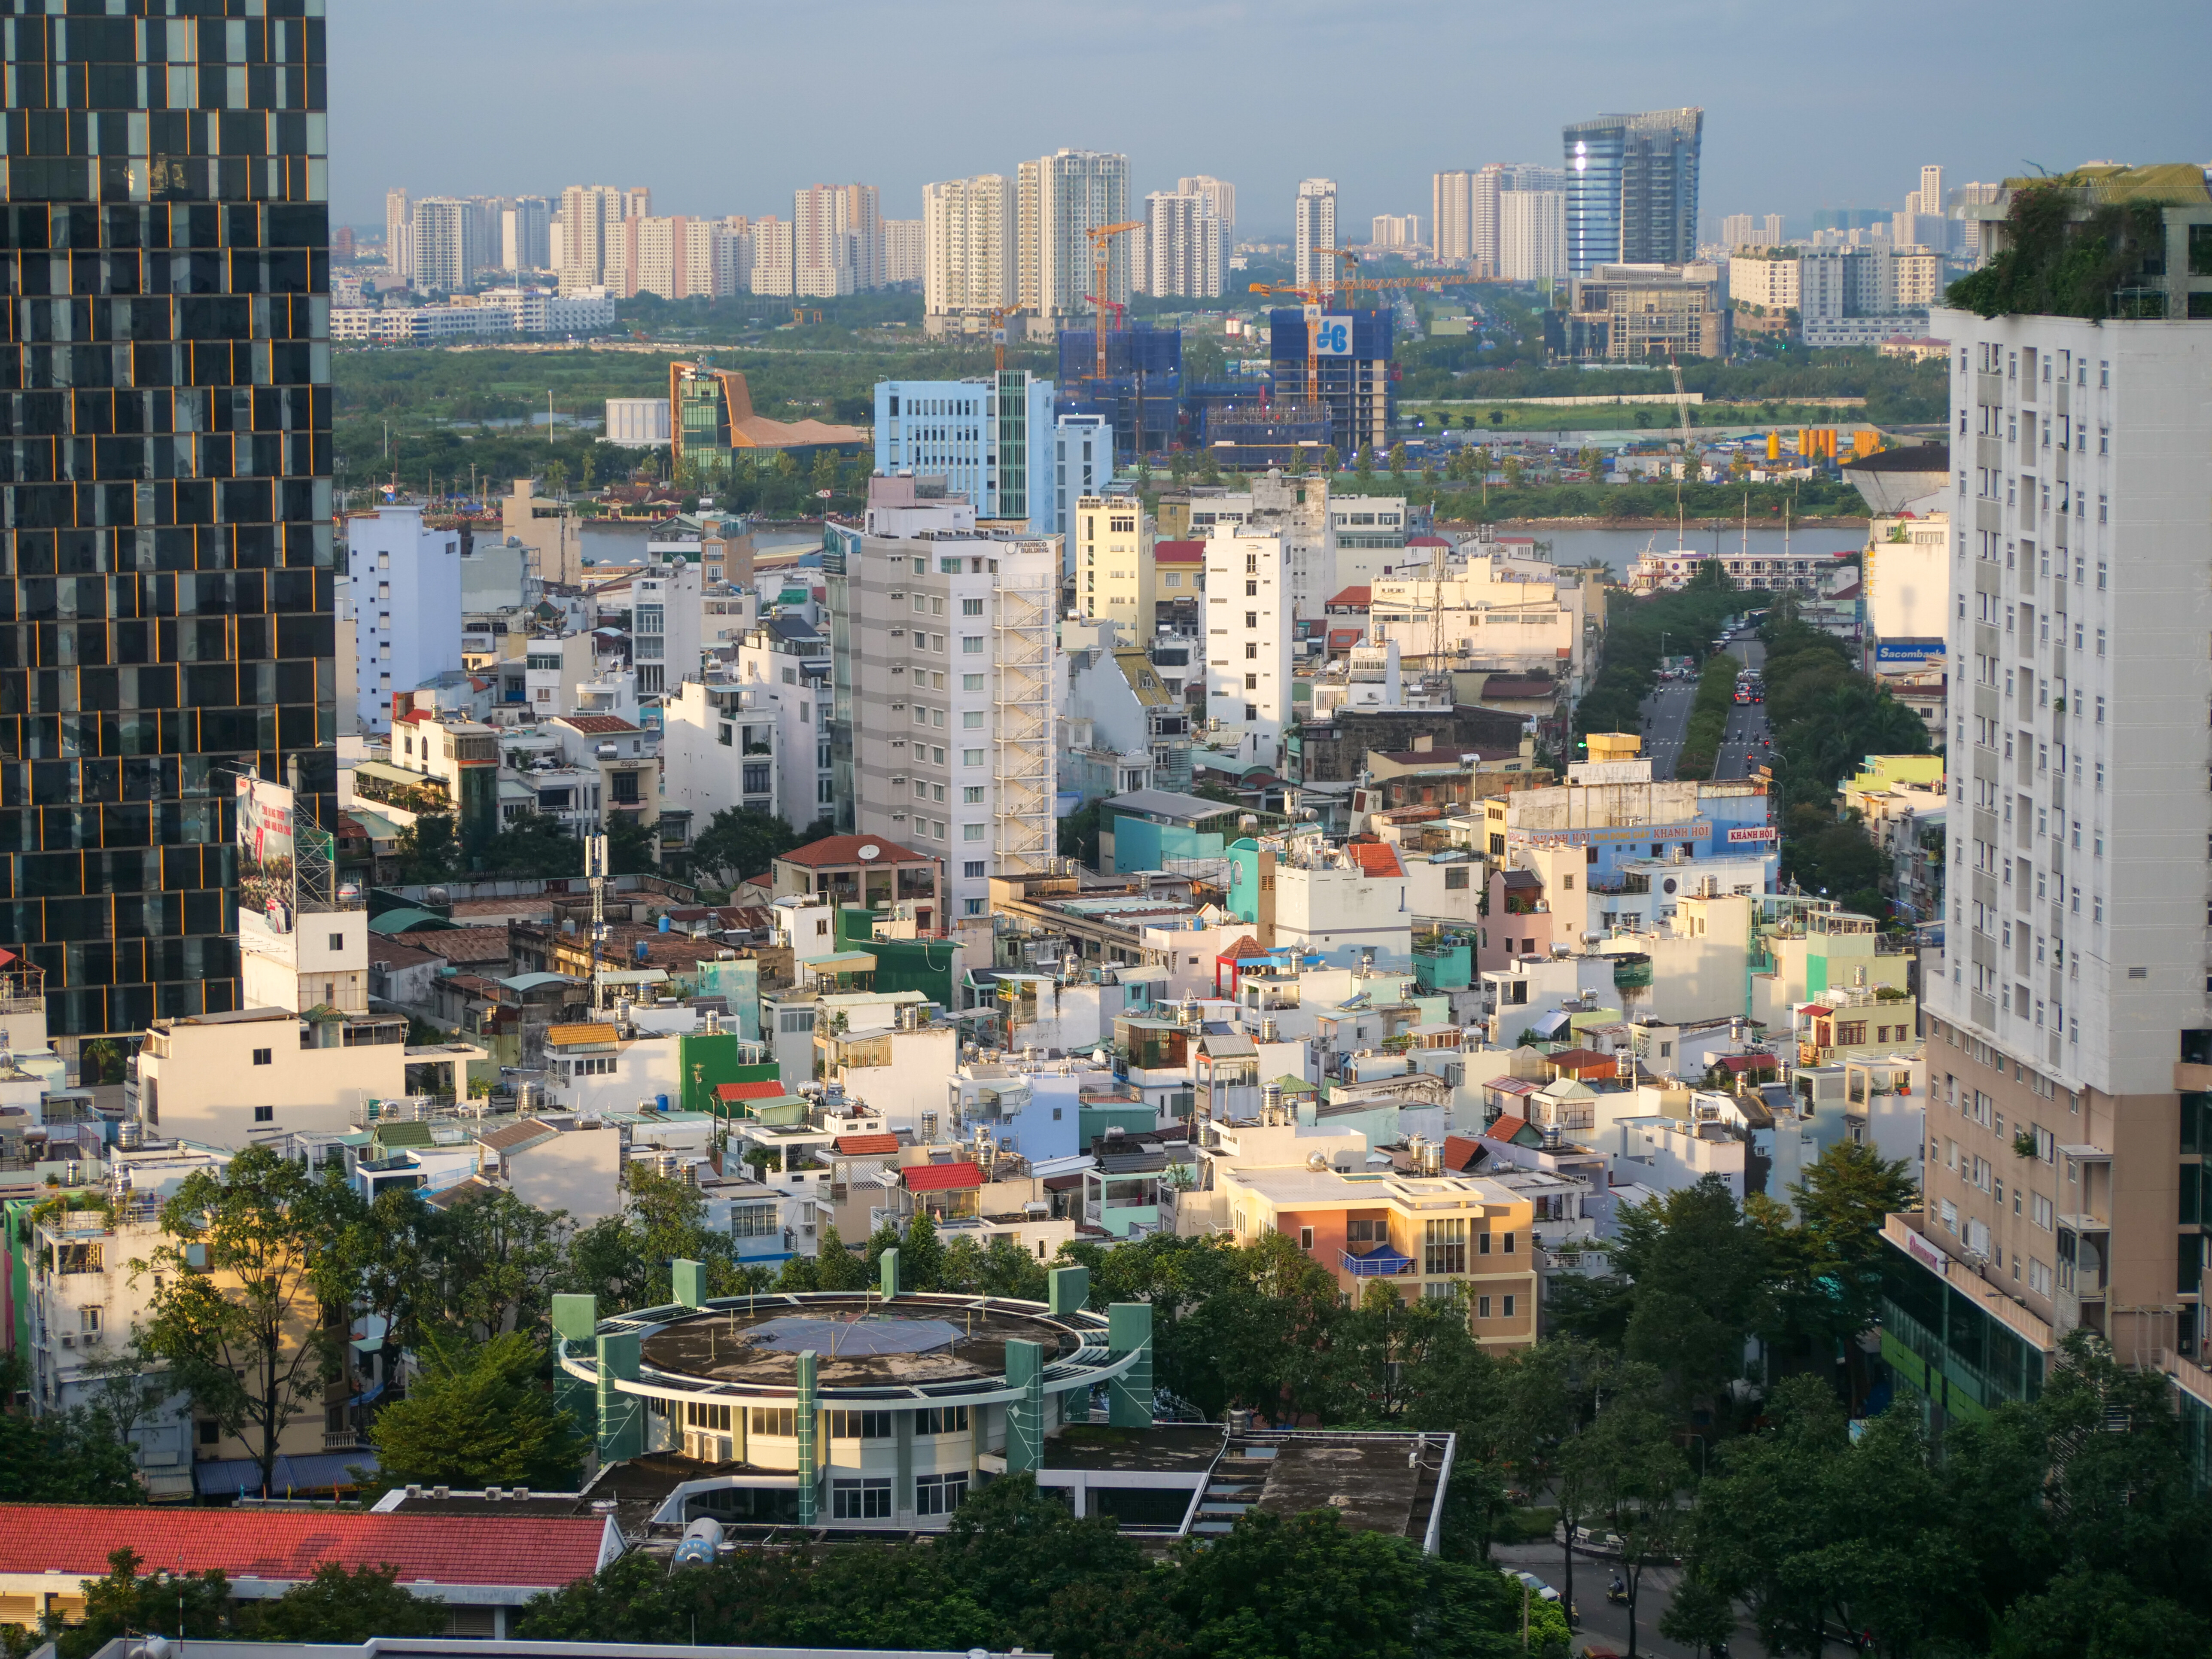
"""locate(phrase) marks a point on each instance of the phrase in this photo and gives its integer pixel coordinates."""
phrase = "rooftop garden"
(2067, 253)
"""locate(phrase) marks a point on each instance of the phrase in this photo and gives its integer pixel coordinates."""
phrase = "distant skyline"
(727, 107)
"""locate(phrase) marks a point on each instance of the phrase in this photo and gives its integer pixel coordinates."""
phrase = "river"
(1618, 548)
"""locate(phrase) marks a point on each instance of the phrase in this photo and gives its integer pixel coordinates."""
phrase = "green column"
(902, 1489)
(691, 1282)
(622, 1415)
(1071, 1289)
(807, 1426)
(576, 1319)
(887, 1265)
(1129, 1396)
(1025, 1415)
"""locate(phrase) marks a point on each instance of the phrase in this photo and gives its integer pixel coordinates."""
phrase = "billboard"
(1897, 655)
(1757, 836)
(267, 875)
(1331, 336)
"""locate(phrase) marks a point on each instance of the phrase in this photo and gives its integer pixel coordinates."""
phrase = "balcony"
(1380, 1262)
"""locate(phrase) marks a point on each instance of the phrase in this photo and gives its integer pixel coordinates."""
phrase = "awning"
(235, 1477)
(1384, 1263)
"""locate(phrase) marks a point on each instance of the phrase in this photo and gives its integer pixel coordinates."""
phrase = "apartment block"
(905, 251)
(1532, 236)
(970, 235)
(1451, 214)
(396, 568)
(1060, 198)
(1313, 236)
(1110, 539)
(2070, 1045)
(1186, 246)
(1249, 613)
(942, 675)
(1219, 192)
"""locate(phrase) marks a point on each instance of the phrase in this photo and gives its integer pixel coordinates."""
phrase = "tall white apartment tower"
(399, 232)
(2069, 1021)
(404, 579)
(1222, 194)
(1247, 643)
(1059, 198)
(1315, 230)
(526, 242)
(968, 233)
(945, 670)
(590, 240)
(1931, 190)
(447, 247)
(1185, 249)
(1451, 214)
(1532, 236)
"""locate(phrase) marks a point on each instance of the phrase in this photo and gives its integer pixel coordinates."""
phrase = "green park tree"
(478, 1416)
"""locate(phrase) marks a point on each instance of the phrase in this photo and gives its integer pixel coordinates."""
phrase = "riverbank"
(1841, 522)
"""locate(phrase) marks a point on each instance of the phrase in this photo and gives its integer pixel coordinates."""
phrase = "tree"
(1699, 1616)
(1631, 1471)
(427, 850)
(632, 849)
(64, 1457)
(1362, 464)
(131, 1386)
(1078, 835)
(1699, 1267)
(247, 1269)
(338, 1606)
(127, 1603)
(1397, 460)
(490, 1264)
(740, 842)
(476, 1417)
(533, 845)
(1331, 463)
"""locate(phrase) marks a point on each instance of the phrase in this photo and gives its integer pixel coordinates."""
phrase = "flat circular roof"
(925, 1347)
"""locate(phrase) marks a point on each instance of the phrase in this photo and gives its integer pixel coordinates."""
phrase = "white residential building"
(1186, 246)
(970, 235)
(525, 235)
(664, 625)
(1451, 214)
(905, 251)
(1395, 230)
(837, 239)
(586, 250)
(1221, 193)
(1059, 199)
(946, 649)
(448, 247)
(1532, 236)
(405, 582)
(398, 233)
(773, 257)
(1248, 641)
(1083, 464)
(1314, 237)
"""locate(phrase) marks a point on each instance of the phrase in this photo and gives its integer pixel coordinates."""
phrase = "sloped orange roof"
(1377, 858)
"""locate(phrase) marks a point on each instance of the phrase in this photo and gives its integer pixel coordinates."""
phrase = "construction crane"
(1321, 292)
(1681, 408)
(998, 315)
(1102, 238)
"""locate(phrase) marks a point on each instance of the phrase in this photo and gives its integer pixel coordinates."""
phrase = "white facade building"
(1083, 464)
(1220, 192)
(1316, 230)
(405, 580)
(637, 422)
(988, 438)
(970, 232)
(1059, 199)
(1451, 214)
(905, 251)
(525, 235)
(1248, 641)
(1186, 246)
(664, 625)
(1532, 236)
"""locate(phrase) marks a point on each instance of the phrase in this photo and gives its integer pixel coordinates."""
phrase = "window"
(752, 1220)
(860, 1425)
(1372, 1230)
(1251, 619)
(1305, 1238)
(973, 907)
(794, 1019)
(971, 721)
(971, 607)
(776, 1422)
(968, 757)
(1251, 682)
(971, 645)
(971, 682)
(1444, 1245)
(1482, 1307)
(866, 1499)
(1508, 1248)
(264, 1114)
(972, 831)
(1509, 1307)
(941, 1420)
(972, 794)
(706, 1414)
(264, 1056)
(939, 1494)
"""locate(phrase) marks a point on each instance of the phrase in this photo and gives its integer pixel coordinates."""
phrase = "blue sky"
(726, 105)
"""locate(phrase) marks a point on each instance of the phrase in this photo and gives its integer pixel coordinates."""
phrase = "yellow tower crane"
(1102, 238)
(1319, 292)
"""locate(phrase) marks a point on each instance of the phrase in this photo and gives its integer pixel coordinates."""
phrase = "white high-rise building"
(2070, 1020)
(1931, 190)
(969, 231)
(1395, 230)
(1316, 230)
(525, 235)
(1532, 236)
(904, 251)
(404, 579)
(1185, 249)
(1222, 194)
(1771, 230)
(947, 648)
(1736, 230)
(732, 242)
(675, 257)
(398, 233)
(448, 246)
(1492, 184)
(1247, 653)
(1451, 214)
(772, 258)
(837, 239)
(1059, 198)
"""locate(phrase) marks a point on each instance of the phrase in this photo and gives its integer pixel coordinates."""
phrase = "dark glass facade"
(165, 598)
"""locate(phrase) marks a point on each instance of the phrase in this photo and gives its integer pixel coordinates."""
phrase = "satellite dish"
(870, 851)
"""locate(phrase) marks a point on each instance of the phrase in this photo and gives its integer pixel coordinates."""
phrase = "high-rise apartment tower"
(1316, 230)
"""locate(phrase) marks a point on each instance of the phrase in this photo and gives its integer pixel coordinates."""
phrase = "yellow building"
(1114, 573)
(1422, 1234)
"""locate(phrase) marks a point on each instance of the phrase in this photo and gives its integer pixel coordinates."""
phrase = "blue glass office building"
(1632, 189)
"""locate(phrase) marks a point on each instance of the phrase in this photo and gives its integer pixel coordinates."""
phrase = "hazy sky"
(726, 105)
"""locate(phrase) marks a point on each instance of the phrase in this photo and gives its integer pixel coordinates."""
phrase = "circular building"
(847, 1409)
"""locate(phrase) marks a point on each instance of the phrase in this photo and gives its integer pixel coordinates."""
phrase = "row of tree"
(1638, 632)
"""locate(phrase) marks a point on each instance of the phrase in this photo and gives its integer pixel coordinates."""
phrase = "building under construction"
(1248, 435)
(1141, 393)
(1357, 384)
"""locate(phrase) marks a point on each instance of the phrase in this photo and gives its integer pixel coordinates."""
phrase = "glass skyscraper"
(1632, 189)
(165, 512)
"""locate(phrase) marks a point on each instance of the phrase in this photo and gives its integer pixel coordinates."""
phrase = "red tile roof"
(767, 1090)
(1813, 1010)
(1179, 552)
(1426, 541)
(940, 1177)
(599, 724)
(868, 1145)
(1582, 1060)
(1460, 1151)
(1247, 946)
(1506, 1128)
(1363, 595)
(74, 1541)
(846, 849)
(1377, 858)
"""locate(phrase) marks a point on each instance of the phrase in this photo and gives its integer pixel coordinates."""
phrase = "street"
(1603, 1624)
(1667, 721)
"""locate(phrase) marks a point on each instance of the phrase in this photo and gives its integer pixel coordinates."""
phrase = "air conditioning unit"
(91, 1339)
(68, 1341)
(708, 1448)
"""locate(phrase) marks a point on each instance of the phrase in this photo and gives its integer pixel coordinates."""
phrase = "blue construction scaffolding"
(1358, 380)
(1140, 395)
